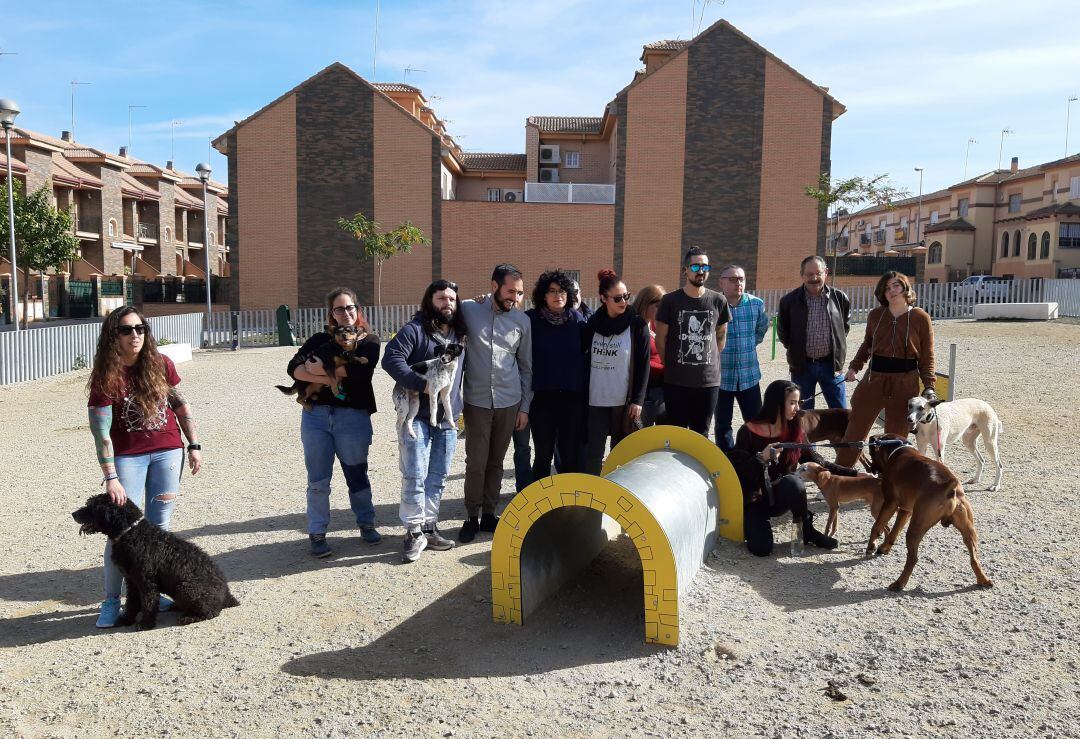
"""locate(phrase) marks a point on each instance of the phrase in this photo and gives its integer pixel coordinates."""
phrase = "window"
(1053, 191)
(1074, 188)
(1033, 247)
(933, 216)
(211, 238)
(1004, 244)
(903, 222)
(1044, 253)
(934, 255)
(1016, 243)
(494, 195)
(112, 227)
(1014, 203)
(1069, 236)
(962, 207)
(572, 159)
(168, 234)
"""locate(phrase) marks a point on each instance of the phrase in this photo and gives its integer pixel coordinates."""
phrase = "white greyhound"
(938, 423)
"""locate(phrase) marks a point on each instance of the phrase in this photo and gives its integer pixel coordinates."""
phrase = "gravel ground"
(360, 644)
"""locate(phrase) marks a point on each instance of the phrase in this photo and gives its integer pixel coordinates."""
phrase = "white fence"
(568, 192)
(35, 353)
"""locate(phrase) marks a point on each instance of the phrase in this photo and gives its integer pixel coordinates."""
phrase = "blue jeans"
(154, 475)
(832, 384)
(749, 401)
(326, 431)
(425, 463)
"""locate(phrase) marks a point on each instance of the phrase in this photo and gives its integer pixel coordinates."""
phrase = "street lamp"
(1068, 109)
(918, 212)
(204, 174)
(8, 110)
(1004, 132)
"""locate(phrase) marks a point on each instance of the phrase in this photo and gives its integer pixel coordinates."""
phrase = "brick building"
(129, 215)
(711, 143)
(1009, 222)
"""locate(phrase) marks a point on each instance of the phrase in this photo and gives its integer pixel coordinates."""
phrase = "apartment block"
(711, 143)
(1016, 223)
(130, 216)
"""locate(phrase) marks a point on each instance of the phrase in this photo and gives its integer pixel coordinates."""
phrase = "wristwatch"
(194, 447)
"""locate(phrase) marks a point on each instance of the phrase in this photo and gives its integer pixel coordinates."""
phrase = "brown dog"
(337, 353)
(925, 492)
(827, 424)
(837, 490)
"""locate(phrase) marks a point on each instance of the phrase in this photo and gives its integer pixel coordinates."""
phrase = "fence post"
(235, 330)
(774, 323)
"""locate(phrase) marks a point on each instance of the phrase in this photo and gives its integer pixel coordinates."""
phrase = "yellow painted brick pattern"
(266, 204)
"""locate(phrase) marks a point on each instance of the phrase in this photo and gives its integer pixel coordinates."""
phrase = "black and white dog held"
(439, 373)
(937, 424)
(154, 562)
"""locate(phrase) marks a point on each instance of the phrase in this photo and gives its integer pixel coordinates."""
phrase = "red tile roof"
(565, 124)
(16, 165)
(666, 45)
(490, 161)
(395, 87)
(70, 173)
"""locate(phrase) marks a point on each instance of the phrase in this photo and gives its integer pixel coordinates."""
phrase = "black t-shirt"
(690, 355)
(357, 384)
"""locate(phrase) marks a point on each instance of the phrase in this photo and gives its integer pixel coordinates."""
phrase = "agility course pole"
(670, 489)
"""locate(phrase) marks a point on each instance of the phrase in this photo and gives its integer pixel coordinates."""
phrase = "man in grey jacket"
(498, 391)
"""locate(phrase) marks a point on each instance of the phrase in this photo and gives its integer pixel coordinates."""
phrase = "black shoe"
(489, 522)
(815, 537)
(468, 531)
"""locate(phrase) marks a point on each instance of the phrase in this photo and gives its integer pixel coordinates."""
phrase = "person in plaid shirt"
(740, 375)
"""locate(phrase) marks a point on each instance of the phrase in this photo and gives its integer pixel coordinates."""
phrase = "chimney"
(66, 136)
(123, 151)
(169, 164)
(1015, 164)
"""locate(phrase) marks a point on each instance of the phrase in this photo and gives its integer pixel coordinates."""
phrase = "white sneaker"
(415, 542)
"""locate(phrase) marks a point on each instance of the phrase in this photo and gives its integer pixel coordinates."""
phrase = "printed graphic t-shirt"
(131, 432)
(609, 370)
(690, 356)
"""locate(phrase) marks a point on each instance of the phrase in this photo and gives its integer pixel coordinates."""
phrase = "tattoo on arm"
(100, 424)
(176, 398)
(186, 421)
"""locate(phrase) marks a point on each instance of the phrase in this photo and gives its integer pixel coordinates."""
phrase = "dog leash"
(822, 391)
(841, 444)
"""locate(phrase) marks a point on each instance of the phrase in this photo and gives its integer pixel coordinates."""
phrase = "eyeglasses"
(732, 278)
(624, 298)
(138, 328)
(343, 309)
(700, 268)
(556, 291)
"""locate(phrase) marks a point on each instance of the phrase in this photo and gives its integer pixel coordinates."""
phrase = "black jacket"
(357, 383)
(791, 326)
(639, 355)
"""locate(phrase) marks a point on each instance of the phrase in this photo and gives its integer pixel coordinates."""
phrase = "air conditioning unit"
(549, 154)
(513, 196)
(549, 175)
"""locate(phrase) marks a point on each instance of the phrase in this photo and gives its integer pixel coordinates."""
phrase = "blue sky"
(919, 77)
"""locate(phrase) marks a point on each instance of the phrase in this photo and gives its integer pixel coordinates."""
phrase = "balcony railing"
(568, 192)
(148, 231)
(89, 224)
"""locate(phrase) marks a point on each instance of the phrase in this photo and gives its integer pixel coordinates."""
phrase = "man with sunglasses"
(740, 373)
(691, 328)
(425, 458)
(498, 391)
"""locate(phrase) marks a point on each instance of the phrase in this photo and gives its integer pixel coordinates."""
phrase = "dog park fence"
(39, 352)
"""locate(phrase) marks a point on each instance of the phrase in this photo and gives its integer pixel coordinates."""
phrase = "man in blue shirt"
(740, 374)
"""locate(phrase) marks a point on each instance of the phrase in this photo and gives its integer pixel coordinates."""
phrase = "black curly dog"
(154, 562)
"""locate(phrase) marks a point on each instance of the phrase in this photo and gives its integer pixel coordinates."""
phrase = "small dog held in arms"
(334, 354)
(154, 562)
(439, 372)
(925, 493)
(837, 490)
(937, 423)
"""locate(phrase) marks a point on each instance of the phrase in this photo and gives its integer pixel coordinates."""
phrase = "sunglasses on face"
(138, 328)
(703, 268)
(343, 309)
(624, 298)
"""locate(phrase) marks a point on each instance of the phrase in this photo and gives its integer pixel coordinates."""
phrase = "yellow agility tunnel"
(670, 489)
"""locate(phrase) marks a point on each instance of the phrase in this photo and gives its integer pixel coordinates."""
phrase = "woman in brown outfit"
(899, 343)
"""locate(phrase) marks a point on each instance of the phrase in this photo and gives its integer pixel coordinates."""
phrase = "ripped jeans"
(152, 482)
(327, 432)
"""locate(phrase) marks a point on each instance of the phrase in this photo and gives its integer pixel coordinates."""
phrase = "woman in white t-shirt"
(616, 342)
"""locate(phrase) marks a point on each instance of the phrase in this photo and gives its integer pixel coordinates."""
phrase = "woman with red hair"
(338, 427)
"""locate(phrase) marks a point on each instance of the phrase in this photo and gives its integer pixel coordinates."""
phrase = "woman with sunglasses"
(136, 414)
(336, 427)
(646, 304)
(616, 343)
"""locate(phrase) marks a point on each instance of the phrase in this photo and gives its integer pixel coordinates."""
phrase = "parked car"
(983, 289)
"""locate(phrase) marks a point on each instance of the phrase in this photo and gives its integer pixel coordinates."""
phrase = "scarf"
(555, 319)
(605, 325)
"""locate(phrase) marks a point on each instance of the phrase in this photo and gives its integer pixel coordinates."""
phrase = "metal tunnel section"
(662, 487)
